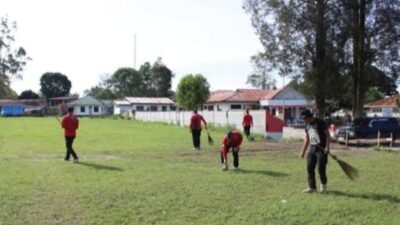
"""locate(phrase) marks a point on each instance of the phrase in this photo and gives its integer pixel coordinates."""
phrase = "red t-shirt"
(195, 122)
(247, 120)
(235, 141)
(70, 123)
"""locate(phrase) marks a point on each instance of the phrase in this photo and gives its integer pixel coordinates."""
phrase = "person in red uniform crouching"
(70, 123)
(233, 139)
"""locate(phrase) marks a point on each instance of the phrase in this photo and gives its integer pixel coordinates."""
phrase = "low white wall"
(293, 132)
(219, 119)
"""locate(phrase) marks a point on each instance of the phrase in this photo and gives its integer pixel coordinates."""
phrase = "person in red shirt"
(195, 128)
(247, 123)
(233, 139)
(70, 123)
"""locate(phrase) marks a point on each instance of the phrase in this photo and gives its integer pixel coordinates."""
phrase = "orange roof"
(386, 102)
(242, 95)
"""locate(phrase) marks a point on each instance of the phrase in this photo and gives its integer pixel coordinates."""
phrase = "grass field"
(141, 173)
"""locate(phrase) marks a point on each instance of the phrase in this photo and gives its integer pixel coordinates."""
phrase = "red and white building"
(282, 106)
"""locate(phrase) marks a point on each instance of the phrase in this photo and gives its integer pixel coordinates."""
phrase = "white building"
(90, 106)
(133, 104)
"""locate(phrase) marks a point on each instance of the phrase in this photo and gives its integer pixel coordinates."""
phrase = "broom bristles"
(210, 140)
(349, 170)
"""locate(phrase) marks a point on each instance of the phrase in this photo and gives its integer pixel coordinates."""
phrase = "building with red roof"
(383, 107)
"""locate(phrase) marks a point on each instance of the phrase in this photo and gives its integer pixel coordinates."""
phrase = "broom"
(349, 170)
(210, 140)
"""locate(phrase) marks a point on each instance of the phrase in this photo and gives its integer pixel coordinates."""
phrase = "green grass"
(141, 173)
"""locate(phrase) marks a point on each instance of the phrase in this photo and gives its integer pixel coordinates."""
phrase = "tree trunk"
(320, 42)
(358, 57)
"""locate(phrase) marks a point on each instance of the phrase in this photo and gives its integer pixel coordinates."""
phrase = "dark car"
(367, 128)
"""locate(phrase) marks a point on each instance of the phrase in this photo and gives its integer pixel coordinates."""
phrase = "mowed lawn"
(147, 173)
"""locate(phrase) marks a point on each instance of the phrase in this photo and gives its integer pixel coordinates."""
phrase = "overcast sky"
(85, 39)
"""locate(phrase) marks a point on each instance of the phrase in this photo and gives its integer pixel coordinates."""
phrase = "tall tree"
(261, 78)
(28, 94)
(294, 36)
(161, 78)
(192, 91)
(126, 82)
(12, 59)
(55, 85)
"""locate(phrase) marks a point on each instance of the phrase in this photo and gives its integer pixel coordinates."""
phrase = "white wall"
(89, 111)
(221, 118)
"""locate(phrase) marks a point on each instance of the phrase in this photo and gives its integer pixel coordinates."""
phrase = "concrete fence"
(216, 118)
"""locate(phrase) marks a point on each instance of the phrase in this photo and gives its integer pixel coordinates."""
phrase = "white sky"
(85, 39)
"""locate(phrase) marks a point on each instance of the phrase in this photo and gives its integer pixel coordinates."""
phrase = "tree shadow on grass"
(264, 172)
(370, 196)
(100, 167)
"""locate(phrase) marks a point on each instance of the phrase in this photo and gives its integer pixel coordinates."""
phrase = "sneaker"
(225, 167)
(309, 190)
(75, 161)
(323, 188)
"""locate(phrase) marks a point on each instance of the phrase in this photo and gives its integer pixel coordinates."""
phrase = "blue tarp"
(12, 110)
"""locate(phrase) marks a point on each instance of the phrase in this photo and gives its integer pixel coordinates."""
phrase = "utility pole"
(134, 53)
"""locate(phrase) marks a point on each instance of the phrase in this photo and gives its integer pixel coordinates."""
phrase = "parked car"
(367, 128)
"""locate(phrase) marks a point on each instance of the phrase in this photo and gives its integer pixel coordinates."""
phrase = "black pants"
(70, 151)
(235, 155)
(316, 156)
(247, 130)
(196, 138)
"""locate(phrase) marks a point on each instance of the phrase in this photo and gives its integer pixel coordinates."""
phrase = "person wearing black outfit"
(317, 139)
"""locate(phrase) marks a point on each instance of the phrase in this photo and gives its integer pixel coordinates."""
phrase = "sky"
(88, 39)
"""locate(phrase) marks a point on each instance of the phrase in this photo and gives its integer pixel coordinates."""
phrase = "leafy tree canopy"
(55, 85)
(28, 94)
(193, 91)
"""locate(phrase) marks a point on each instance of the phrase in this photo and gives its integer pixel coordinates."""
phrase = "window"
(164, 108)
(236, 106)
(153, 108)
(96, 109)
(139, 108)
(83, 109)
(210, 108)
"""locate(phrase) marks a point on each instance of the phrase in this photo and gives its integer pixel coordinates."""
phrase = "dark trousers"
(235, 155)
(247, 130)
(196, 138)
(316, 156)
(70, 151)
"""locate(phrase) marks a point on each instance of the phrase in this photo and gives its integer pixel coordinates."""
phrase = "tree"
(100, 92)
(161, 78)
(12, 60)
(372, 95)
(55, 85)
(28, 94)
(126, 82)
(192, 91)
(296, 42)
(261, 78)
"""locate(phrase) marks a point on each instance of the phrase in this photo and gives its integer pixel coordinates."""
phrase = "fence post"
(379, 138)
(391, 140)
(347, 139)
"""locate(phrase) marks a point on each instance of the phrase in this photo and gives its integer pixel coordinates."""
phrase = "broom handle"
(329, 153)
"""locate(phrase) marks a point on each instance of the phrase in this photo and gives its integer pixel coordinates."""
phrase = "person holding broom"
(232, 140)
(195, 128)
(317, 140)
(70, 123)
